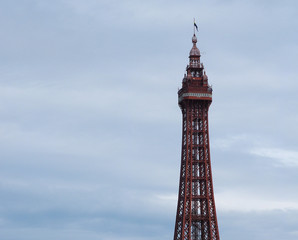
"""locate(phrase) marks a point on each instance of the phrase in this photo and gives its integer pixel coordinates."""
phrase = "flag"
(196, 26)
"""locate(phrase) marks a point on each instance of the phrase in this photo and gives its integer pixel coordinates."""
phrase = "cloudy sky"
(90, 129)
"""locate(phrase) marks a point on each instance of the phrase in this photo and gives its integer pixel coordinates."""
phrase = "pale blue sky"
(90, 129)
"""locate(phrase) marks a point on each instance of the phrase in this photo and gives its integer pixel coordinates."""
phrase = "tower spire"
(194, 51)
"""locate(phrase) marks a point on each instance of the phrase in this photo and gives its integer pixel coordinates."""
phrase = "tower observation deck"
(196, 214)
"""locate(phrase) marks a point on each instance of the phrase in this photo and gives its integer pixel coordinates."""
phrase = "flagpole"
(194, 28)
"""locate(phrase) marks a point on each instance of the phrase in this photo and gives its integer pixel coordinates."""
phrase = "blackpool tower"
(196, 214)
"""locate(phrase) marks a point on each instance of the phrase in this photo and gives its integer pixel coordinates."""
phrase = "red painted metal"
(196, 214)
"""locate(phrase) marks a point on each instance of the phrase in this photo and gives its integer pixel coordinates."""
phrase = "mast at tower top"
(195, 52)
(195, 27)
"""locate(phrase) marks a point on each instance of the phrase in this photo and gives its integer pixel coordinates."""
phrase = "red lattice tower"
(196, 214)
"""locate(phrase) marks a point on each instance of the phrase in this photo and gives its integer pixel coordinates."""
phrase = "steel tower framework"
(196, 214)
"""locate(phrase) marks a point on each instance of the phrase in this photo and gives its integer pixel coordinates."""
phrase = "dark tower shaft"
(196, 214)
